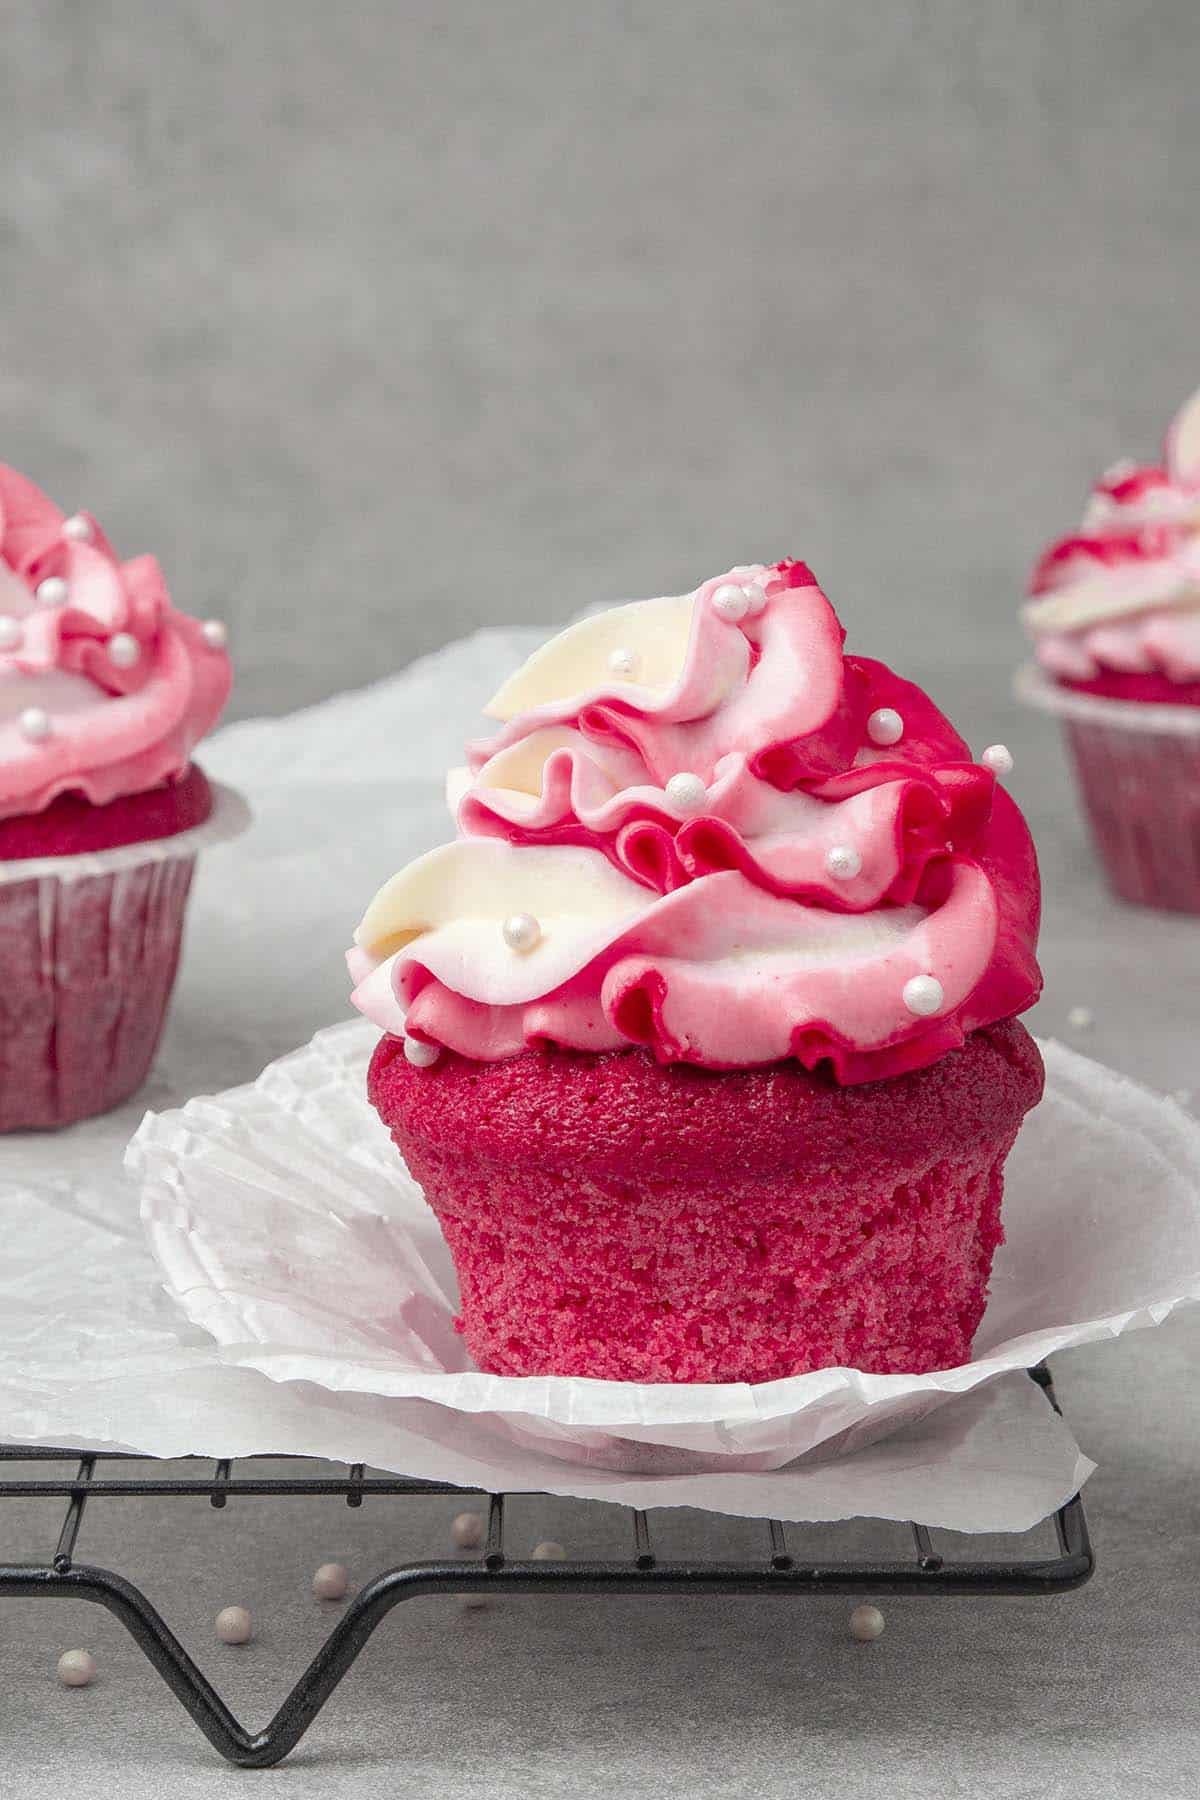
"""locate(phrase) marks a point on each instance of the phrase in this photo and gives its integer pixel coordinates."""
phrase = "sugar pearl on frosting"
(998, 758)
(687, 793)
(214, 634)
(756, 599)
(843, 862)
(10, 632)
(521, 931)
(623, 662)
(730, 602)
(35, 724)
(52, 592)
(78, 529)
(924, 996)
(123, 650)
(420, 1055)
(885, 726)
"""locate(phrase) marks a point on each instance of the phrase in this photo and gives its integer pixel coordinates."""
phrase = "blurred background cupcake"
(104, 691)
(1114, 613)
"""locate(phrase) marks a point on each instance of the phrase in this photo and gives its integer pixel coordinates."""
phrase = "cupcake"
(1114, 613)
(104, 690)
(701, 1038)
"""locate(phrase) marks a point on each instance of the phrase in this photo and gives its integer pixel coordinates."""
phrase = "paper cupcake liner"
(285, 1226)
(89, 947)
(1138, 770)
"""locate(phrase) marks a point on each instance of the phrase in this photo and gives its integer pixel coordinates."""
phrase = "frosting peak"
(697, 831)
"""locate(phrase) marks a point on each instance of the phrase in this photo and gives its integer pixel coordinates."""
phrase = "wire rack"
(779, 1567)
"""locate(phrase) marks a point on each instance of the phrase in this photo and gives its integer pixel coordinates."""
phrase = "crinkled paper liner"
(286, 1226)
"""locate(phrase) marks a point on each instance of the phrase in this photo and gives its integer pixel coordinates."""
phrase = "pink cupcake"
(701, 1037)
(104, 690)
(1115, 618)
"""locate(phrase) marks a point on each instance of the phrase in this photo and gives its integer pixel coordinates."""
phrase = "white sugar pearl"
(331, 1582)
(549, 1551)
(885, 726)
(78, 529)
(623, 662)
(924, 996)
(756, 599)
(521, 931)
(77, 1668)
(687, 793)
(52, 592)
(421, 1056)
(234, 1625)
(730, 602)
(866, 1624)
(214, 634)
(11, 632)
(843, 862)
(466, 1529)
(123, 650)
(998, 758)
(35, 724)
(1081, 1018)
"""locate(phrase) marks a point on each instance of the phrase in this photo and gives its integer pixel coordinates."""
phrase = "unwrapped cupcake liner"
(89, 947)
(1138, 770)
(286, 1226)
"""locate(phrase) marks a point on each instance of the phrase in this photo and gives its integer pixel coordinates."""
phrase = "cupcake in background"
(1114, 613)
(701, 1038)
(104, 691)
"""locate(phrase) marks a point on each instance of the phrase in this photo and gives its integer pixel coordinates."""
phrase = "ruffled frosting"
(1122, 594)
(125, 684)
(785, 911)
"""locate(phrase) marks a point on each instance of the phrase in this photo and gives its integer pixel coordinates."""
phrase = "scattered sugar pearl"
(331, 1582)
(214, 634)
(35, 724)
(998, 758)
(52, 592)
(843, 862)
(1081, 1018)
(687, 793)
(77, 1668)
(730, 603)
(10, 632)
(549, 1551)
(78, 529)
(866, 1624)
(123, 650)
(885, 726)
(466, 1529)
(924, 996)
(521, 932)
(623, 662)
(474, 1602)
(234, 1625)
(420, 1055)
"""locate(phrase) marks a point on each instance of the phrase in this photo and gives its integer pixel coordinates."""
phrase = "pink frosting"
(119, 723)
(730, 943)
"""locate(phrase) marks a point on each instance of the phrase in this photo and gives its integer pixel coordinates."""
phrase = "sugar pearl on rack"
(78, 529)
(687, 793)
(35, 724)
(77, 1668)
(549, 1551)
(998, 758)
(52, 592)
(214, 634)
(885, 726)
(10, 632)
(234, 1625)
(866, 1624)
(924, 996)
(123, 650)
(730, 603)
(331, 1582)
(420, 1055)
(466, 1530)
(843, 862)
(521, 932)
(623, 662)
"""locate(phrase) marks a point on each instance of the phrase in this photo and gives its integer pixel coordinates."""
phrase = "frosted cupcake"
(1114, 615)
(701, 1039)
(104, 690)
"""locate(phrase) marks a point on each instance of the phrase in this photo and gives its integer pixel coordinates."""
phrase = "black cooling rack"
(779, 1567)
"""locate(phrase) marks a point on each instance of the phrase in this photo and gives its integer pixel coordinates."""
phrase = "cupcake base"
(612, 1218)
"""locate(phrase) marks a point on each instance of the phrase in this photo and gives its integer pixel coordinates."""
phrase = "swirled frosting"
(1121, 596)
(706, 831)
(104, 686)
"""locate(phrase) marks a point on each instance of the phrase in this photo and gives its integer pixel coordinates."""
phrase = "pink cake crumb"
(614, 1218)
